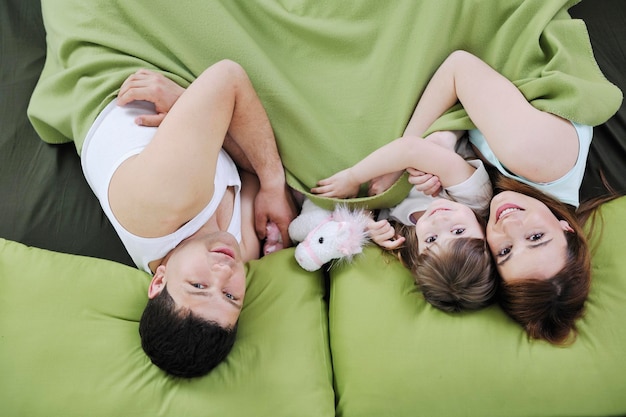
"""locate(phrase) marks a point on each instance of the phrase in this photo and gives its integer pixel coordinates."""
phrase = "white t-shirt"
(113, 138)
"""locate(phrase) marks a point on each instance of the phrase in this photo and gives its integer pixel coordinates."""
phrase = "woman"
(533, 232)
(190, 200)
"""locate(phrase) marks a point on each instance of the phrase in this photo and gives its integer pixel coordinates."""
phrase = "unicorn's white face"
(330, 240)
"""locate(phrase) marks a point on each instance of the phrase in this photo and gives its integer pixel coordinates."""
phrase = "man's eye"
(458, 231)
(431, 239)
(198, 285)
(535, 236)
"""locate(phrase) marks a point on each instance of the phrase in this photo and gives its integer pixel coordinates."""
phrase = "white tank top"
(113, 138)
(566, 188)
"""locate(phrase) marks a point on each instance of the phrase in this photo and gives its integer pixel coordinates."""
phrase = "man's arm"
(168, 178)
(250, 141)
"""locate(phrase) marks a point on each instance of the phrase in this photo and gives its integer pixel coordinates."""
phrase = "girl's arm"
(402, 153)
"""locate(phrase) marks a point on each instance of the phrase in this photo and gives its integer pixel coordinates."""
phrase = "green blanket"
(338, 78)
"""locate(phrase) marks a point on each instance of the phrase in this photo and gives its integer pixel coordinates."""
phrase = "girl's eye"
(431, 239)
(198, 285)
(458, 231)
(229, 296)
(504, 251)
(535, 237)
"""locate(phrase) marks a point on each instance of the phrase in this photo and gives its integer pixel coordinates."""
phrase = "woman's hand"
(429, 184)
(340, 185)
(384, 235)
(380, 184)
(153, 87)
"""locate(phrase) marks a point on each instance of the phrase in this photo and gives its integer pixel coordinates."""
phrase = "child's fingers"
(324, 190)
(391, 244)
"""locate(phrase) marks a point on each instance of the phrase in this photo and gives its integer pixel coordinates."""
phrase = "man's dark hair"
(179, 342)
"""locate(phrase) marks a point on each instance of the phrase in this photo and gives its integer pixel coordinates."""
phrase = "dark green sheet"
(44, 199)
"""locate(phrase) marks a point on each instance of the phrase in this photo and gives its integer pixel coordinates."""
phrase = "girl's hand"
(384, 235)
(445, 138)
(150, 86)
(340, 185)
(429, 184)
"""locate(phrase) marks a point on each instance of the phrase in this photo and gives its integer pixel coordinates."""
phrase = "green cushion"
(69, 343)
(394, 354)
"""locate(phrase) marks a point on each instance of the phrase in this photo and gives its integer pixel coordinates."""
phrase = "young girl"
(441, 240)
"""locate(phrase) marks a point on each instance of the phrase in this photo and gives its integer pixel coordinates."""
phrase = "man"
(191, 199)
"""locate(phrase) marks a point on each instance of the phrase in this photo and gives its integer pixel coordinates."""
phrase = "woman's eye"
(431, 239)
(504, 251)
(535, 236)
(198, 285)
(458, 231)
(229, 296)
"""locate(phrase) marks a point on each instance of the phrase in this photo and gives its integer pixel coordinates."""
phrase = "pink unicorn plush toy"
(326, 235)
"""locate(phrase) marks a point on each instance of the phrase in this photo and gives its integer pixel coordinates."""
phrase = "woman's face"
(443, 221)
(206, 275)
(525, 238)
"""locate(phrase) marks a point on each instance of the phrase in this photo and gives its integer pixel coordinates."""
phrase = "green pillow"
(394, 354)
(69, 343)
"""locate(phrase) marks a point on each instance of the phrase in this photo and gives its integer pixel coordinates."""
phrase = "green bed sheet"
(338, 79)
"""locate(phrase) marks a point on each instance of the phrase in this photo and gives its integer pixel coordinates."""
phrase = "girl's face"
(207, 276)
(525, 237)
(444, 220)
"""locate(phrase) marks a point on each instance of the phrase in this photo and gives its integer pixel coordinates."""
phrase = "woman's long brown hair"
(548, 309)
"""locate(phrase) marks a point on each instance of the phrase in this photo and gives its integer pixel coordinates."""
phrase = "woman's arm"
(523, 138)
(402, 153)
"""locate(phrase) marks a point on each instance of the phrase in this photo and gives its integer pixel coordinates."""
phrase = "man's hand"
(340, 185)
(153, 87)
(274, 205)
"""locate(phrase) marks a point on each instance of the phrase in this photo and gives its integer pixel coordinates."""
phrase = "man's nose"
(221, 271)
